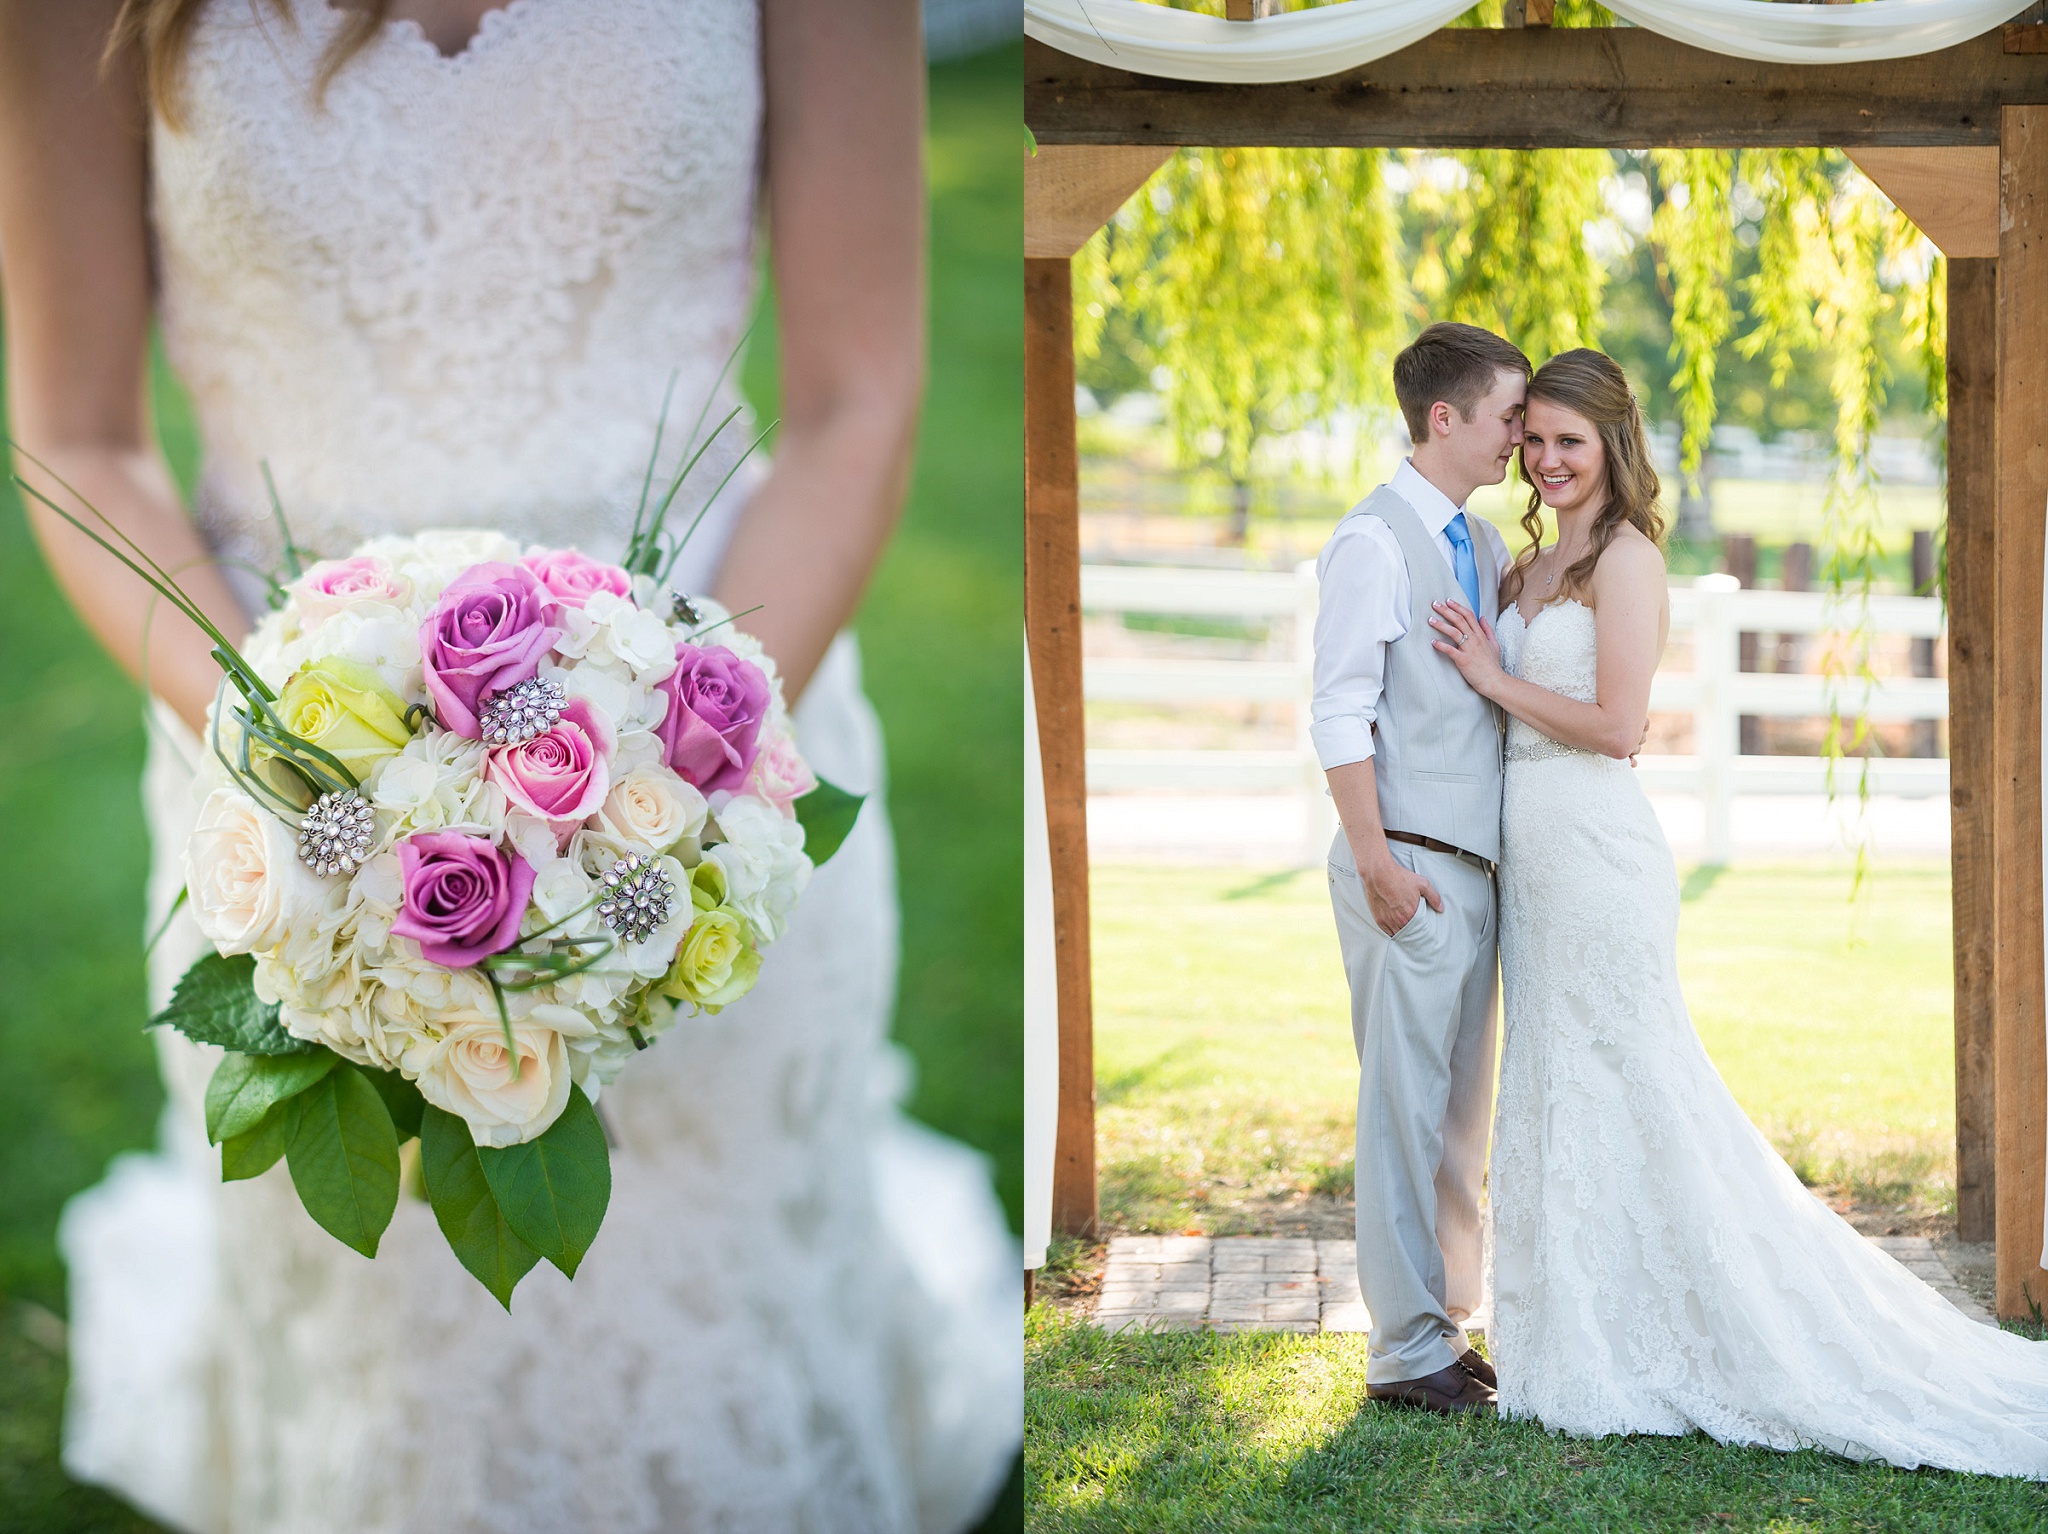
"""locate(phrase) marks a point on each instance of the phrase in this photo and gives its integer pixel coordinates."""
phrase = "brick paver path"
(1293, 1284)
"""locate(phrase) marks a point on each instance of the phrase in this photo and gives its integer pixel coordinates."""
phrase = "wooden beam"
(1543, 88)
(1072, 190)
(2020, 1045)
(1950, 193)
(1973, 774)
(1052, 626)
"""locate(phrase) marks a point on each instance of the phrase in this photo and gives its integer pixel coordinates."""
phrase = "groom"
(1414, 765)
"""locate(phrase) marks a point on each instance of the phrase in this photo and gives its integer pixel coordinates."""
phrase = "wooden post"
(1973, 770)
(1052, 623)
(2020, 1067)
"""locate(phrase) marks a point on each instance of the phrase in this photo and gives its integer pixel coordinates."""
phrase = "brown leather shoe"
(1450, 1390)
(1478, 1368)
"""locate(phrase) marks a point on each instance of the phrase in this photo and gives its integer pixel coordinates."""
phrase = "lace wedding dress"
(453, 293)
(1656, 1266)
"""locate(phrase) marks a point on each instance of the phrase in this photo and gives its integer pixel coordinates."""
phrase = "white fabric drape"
(1306, 45)
(1041, 999)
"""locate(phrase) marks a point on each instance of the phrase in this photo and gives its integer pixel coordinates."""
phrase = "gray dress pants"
(1423, 1010)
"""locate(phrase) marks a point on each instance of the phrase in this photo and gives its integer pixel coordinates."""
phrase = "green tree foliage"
(1259, 281)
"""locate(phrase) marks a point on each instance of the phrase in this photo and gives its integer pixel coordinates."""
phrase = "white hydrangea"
(762, 855)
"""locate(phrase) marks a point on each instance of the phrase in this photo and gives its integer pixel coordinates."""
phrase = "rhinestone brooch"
(516, 715)
(334, 837)
(638, 894)
(682, 610)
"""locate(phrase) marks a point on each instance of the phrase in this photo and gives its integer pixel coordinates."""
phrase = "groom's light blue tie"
(1461, 559)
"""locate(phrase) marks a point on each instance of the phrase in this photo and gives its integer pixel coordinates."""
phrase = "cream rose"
(468, 1071)
(244, 876)
(654, 807)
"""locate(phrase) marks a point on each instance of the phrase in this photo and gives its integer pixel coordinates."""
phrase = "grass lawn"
(1273, 1432)
(1225, 1088)
(1226, 1080)
(940, 630)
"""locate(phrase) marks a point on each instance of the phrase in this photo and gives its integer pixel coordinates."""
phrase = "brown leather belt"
(1431, 844)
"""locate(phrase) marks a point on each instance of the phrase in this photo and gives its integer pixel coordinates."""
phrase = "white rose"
(653, 806)
(246, 881)
(469, 1072)
(763, 859)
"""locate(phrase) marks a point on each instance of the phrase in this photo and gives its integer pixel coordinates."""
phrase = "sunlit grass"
(1194, 1431)
(1226, 1078)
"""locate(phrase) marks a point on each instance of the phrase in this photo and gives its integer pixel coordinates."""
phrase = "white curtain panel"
(1041, 999)
(1306, 45)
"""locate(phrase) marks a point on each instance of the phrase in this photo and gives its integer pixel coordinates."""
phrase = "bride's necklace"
(1557, 564)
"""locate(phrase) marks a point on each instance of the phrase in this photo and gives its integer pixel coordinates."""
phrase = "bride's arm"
(845, 125)
(74, 280)
(1630, 607)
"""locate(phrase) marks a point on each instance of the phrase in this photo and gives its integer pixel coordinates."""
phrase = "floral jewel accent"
(335, 835)
(682, 610)
(519, 713)
(638, 894)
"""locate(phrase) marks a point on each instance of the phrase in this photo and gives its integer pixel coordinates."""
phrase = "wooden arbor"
(1958, 139)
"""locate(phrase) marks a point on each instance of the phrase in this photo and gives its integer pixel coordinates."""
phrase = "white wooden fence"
(1717, 693)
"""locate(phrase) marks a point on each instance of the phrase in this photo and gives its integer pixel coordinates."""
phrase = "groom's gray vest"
(1436, 742)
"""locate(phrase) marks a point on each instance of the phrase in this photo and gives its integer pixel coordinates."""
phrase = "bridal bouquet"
(480, 822)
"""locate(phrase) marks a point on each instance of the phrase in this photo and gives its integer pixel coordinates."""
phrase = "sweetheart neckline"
(411, 34)
(1530, 623)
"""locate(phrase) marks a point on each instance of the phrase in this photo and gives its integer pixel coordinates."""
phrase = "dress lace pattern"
(1657, 1268)
(455, 293)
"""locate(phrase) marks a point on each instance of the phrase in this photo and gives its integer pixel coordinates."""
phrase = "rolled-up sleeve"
(1361, 608)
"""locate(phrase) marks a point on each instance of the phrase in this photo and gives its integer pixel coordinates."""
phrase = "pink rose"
(571, 578)
(333, 584)
(486, 634)
(561, 776)
(780, 774)
(463, 897)
(716, 702)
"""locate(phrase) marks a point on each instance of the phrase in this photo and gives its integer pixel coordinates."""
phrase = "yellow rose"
(708, 885)
(345, 709)
(714, 967)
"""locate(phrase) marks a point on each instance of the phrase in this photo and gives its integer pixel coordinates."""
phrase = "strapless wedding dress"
(452, 293)
(1656, 1266)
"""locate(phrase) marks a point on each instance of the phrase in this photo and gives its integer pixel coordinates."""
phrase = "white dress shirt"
(1363, 597)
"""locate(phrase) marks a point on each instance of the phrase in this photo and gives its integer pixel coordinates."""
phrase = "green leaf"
(402, 1100)
(553, 1190)
(216, 1004)
(827, 814)
(246, 1087)
(256, 1151)
(466, 1209)
(343, 1154)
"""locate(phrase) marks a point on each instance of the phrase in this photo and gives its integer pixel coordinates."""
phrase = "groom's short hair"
(1454, 363)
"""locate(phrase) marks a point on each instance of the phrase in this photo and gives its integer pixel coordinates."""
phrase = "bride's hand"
(1470, 643)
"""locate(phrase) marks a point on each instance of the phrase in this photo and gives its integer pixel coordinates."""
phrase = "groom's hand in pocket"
(1395, 894)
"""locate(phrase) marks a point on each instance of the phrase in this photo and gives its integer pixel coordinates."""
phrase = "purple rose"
(486, 634)
(463, 896)
(712, 730)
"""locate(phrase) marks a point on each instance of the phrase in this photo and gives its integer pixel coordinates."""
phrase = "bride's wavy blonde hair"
(161, 31)
(1592, 384)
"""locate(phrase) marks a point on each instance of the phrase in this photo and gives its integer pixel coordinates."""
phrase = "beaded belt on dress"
(1542, 747)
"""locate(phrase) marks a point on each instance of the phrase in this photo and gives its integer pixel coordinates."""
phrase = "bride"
(436, 261)
(1657, 1267)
